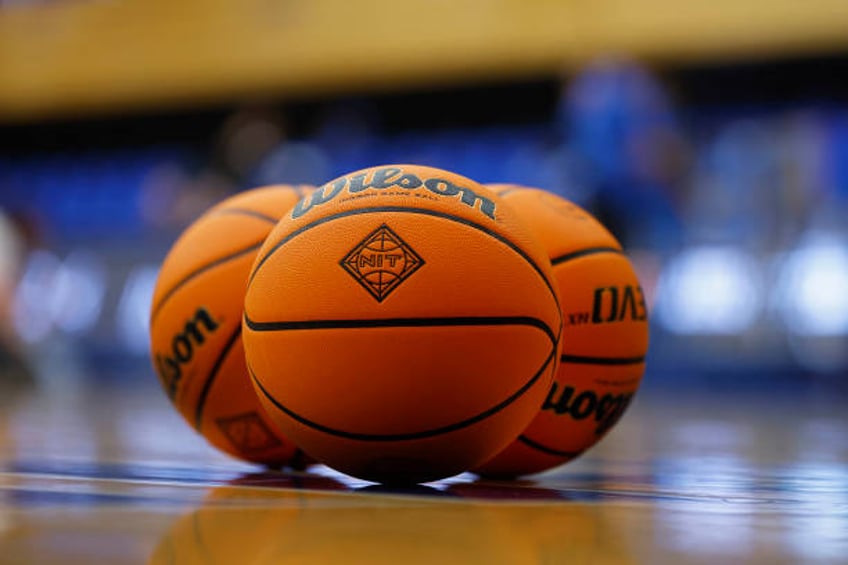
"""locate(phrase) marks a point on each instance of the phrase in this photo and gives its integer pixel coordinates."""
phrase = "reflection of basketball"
(242, 521)
(401, 324)
(268, 525)
(605, 335)
(310, 523)
(195, 325)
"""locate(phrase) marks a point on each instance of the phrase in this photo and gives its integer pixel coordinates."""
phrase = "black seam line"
(207, 386)
(247, 212)
(402, 323)
(539, 447)
(414, 435)
(199, 271)
(404, 209)
(601, 360)
(583, 253)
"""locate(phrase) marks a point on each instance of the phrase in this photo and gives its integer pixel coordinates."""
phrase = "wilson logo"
(183, 346)
(381, 261)
(604, 410)
(392, 177)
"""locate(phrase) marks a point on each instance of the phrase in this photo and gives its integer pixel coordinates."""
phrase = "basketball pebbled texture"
(605, 335)
(195, 325)
(401, 324)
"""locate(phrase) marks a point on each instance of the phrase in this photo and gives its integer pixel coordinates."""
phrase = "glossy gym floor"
(102, 474)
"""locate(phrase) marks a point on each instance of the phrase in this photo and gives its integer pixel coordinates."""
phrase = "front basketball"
(195, 325)
(401, 324)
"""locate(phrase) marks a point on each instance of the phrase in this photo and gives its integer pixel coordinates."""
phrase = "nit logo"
(381, 261)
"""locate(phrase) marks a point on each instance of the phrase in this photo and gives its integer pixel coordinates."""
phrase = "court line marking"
(355, 499)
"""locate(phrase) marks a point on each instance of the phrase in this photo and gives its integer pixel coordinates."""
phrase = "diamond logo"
(248, 432)
(381, 261)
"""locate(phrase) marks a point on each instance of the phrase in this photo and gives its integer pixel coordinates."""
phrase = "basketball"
(605, 335)
(401, 324)
(195, 325)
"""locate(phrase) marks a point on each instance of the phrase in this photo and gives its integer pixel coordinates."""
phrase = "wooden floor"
(109, 474)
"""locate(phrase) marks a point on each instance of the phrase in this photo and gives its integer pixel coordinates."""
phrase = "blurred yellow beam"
(79, 57)
(717, 30)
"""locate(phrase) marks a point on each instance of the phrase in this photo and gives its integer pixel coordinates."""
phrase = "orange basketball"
(604, 341)
(195, 325)
(401, 324)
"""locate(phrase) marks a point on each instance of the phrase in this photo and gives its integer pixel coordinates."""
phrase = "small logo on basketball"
(248, 433)
(381, 262)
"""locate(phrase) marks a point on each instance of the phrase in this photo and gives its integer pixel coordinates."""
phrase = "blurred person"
(246, 138)
(347, 134)
(618, 121)
(736, 169)
(832, 208)
(803, 188)
(293, 163)
(12, 249)
(760, 182)
(175, 194)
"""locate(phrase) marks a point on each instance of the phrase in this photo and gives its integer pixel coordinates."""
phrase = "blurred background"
(711, 138)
